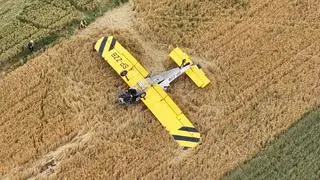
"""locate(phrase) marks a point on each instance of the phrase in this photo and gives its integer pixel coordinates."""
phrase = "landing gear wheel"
(143, 95)
(124, 73)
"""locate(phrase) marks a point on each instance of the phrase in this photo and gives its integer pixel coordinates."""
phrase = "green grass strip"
(65, 32)
(295, 155)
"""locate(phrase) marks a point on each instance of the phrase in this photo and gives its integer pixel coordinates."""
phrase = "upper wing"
(120, 60)
(171, 117)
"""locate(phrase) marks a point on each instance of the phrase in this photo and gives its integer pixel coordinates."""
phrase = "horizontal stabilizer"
(195, 72)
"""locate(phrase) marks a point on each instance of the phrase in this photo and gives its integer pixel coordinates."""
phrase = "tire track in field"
(257, 68)
(68, 146)
(27, 95)
(311, 71)
(249, 23)
(236, 99)
(17, 108)
(242, 23)
(271, 78)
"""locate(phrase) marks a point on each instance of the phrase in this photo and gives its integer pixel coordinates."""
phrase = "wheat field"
(59, 118)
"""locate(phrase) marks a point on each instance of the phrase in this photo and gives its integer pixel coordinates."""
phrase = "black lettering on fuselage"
(119, 60)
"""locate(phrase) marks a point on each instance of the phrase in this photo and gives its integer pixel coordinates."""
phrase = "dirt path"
(122, 19)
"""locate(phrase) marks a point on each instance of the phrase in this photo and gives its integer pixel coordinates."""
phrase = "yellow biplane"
(151, 89)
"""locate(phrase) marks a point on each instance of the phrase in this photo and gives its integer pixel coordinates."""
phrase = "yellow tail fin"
(195, 72)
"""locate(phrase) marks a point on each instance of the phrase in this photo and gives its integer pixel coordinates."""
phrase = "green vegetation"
(295, 155)
(118, 2)
(43, 21)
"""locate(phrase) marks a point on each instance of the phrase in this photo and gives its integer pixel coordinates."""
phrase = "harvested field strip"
(66, 5)
(294, 155)
(10, 39)
(24, 18)
(34, 14)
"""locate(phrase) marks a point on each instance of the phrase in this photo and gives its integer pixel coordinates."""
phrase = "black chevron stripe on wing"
(189, 129)
(187, 136)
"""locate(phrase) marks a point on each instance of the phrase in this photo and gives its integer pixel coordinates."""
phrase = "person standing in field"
(83, 24)
(30, 46)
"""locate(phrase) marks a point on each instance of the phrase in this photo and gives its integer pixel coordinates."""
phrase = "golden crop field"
(264, 59)
(59, 118)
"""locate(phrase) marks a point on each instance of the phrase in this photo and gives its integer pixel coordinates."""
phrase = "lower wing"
(171, 117)
(121, 60)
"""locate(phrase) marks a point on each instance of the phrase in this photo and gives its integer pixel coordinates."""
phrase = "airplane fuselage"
(165, 78)
(134, 94)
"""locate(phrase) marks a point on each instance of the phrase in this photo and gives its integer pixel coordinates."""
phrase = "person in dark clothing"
(133, 93)
(131, 96)
(83, 24)
(30, 45)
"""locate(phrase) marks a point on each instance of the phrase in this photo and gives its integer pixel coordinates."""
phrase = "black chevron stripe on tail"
(113, 43)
